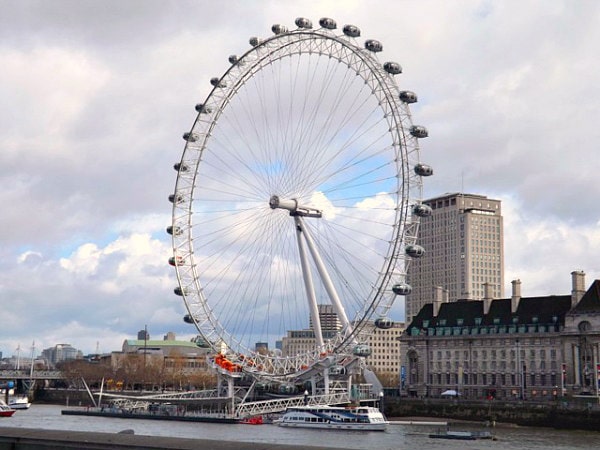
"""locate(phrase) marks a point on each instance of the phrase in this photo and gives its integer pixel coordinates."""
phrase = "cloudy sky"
(94, 97)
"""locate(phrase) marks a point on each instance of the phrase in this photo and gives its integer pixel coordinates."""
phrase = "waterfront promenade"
(37, 439)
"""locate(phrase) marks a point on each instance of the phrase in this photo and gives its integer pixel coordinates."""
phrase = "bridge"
(13, 374)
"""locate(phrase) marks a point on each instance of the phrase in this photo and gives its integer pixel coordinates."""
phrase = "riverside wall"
(35, 439)
(572, 414)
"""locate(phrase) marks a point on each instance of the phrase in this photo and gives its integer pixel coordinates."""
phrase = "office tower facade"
(464, 251)
(328, 318)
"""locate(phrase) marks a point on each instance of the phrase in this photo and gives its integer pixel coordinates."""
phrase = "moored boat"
(19, 402)
(361, 418)
(463, 435)
(5, 410)
(256, 420)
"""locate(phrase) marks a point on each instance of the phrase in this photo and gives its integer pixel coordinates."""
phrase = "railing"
(273, 406)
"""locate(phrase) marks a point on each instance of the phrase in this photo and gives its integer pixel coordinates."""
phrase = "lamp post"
(305, 398)
(381, 402)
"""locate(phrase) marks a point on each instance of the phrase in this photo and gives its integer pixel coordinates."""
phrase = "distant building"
(143, 335)
(297, 342)
(464, 251)
(328, 319)
(60, 353)
(262, 348)
(194, 351)
(517, 347)
(385, 356)
(385, 353)
(168, 346)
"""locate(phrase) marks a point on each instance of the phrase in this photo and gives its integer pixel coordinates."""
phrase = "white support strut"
(309, 286)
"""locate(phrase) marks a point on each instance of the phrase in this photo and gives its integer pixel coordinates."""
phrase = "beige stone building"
(464, 249)
(383, 342)
(518, 347)
(385, 356)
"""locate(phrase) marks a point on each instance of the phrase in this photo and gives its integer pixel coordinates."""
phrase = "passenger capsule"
(201, 108)
(181, 291)
(255, 41)
(188, 319)
(174, 231)
(287, 389)
(233, 59)
(181, 167)
(190, 137)
(384, 323)
(414, 251)
(423, 170)
(392, 67)
(362, 350)
(261, 386)
(351, 30)
(373, 46)
(176, 198)
(279, 29)
(217, 82)
(337, 370)
(328, 23)
(402, 289)
(176, 261)
(408, 97)
(422, 210)
(419, 131)
(302, 22)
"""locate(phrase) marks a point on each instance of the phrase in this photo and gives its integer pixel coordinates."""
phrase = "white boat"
(361, 418)
(19, 402)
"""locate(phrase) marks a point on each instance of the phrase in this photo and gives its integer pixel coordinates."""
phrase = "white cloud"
(93, 114)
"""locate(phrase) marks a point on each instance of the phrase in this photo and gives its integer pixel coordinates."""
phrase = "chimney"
(438, 299)
(516, 295)
(578, 286)
(487, 297)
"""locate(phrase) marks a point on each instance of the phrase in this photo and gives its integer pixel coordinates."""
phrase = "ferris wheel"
(297, 200)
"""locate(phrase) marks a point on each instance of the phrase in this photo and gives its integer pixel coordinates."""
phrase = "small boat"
(5, 410)
(19, 402)
(255, 420)
(463, 435)
(361, 418)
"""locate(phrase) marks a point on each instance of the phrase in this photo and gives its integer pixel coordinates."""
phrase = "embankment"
(34, 439)
(559, 415)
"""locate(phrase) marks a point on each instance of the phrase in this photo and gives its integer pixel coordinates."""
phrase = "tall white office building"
(464, 251)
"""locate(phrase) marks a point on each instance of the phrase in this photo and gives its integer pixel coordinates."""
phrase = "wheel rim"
(305, 115)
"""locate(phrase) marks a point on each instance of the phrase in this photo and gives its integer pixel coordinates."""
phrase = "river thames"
(396, 437)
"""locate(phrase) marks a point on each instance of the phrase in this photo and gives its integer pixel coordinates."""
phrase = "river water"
(396, 437)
